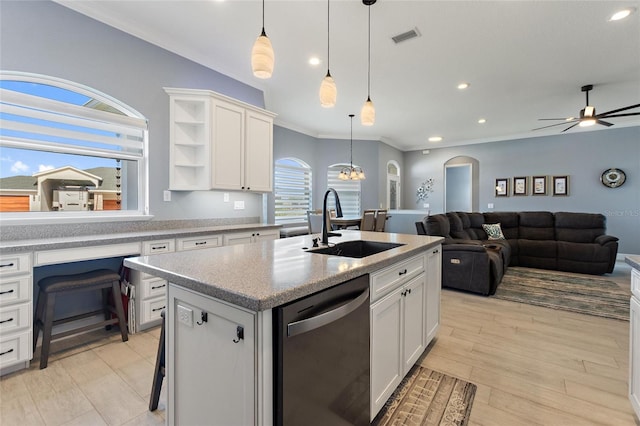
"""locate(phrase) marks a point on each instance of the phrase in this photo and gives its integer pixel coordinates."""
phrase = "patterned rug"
(427, 397)
(565, 291)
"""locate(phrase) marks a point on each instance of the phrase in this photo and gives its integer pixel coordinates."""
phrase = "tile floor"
(532, 365)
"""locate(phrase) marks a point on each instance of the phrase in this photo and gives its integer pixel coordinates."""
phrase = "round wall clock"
(613, 178)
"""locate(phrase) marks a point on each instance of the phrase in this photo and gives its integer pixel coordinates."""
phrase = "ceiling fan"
(588, 116)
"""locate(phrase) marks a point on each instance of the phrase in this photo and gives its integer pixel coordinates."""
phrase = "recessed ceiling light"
(482, 121)
(435, 139)
(463, 86)
(315, 61)
(621, 14)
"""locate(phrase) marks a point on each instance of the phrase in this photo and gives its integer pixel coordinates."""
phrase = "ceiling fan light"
(328, 91)
(368, 113)
(589, 111)
(588, 122)
(621, 14)
(262, 57)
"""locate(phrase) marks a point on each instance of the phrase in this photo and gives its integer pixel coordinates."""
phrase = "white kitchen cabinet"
(398, 328)
(212, 365)
(432, 292)
(234, 238)
(16, 311)
(150, 294)
(219, 143)
(634, 342)
(200, 242)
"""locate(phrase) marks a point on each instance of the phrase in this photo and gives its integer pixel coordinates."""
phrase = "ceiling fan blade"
(551, 125)
(619, 109)
(604, 123)
(563, 119)
(570, 127)
(628, 114)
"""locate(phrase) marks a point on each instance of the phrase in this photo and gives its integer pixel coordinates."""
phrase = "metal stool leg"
(117, 302)
(49, 302)
(158, 375)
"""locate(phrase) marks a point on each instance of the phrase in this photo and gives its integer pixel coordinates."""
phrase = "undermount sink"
(357, 248)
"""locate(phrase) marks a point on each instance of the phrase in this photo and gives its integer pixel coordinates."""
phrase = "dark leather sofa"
(563, 241)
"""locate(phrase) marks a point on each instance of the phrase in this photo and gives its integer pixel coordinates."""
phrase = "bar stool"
(159, 372)
(99, 279)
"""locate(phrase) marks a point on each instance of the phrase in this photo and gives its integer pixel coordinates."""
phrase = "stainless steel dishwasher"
(321, 357)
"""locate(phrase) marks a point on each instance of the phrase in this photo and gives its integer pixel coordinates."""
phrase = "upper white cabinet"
(219, 143)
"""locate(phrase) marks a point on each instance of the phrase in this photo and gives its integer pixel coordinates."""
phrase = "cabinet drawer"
(153, 247)
(14, 318)
(199, 242)
(151, 309)
(635, 283)
(153, 287)
(389, 278)
(15, 290)
(15, 264)
(15, 348)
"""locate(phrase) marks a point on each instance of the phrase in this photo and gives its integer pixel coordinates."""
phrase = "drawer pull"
(436, 251)
(6, 292)
(6, 352)
(7, 320)
(402, 272)
(159, 248)
(158, 309)
(201, 243)
(158, 286)
(5, 265)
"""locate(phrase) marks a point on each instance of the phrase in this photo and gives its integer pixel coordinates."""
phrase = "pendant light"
(368, 112)
(351, 173)
(262, 56)
(328, 90)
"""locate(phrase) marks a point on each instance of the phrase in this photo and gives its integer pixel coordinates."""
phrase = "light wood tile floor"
(532, 365)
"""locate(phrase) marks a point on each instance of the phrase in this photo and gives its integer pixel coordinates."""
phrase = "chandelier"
(351, 173)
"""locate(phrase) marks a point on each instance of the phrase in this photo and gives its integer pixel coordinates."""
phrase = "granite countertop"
(267, 274)
(634, 261)
(15, 246)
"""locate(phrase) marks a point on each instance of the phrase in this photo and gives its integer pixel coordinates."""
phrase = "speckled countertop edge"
(261, 276)
(634, 261)
(16, 246)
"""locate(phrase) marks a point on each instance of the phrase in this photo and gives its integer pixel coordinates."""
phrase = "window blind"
(292, 191)
(348, 191)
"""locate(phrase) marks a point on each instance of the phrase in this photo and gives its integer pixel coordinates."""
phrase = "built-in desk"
(20, 258)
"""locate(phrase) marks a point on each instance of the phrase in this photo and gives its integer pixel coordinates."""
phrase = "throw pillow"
(493, 230)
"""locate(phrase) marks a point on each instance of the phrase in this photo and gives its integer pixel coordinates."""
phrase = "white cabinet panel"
(15, 318)
(15, 289)
(15, 348)
(15, 264)
(634, 349)
(432, 292)
(196, 243)
(389, 278)
(414, 322)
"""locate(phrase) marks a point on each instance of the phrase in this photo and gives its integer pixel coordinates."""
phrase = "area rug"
(427, 397)
(565, 291)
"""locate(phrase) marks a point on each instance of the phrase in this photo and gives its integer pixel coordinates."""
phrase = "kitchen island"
(220, 327)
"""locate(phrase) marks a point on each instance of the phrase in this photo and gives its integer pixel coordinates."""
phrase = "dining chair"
(314, 219)
(381, 220)
(368, 222)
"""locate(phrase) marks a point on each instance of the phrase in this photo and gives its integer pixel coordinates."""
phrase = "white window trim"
(397, 179)
(133, 117)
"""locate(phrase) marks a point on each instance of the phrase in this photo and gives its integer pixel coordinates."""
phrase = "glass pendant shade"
(368, 113)
(262, 57)
(328, 92)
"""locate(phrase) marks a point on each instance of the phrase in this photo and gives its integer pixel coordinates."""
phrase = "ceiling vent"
(407, 35)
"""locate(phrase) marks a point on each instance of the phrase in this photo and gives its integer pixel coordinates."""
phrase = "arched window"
(393, 185)
(348, 191)
(292, 190)
(68, 151)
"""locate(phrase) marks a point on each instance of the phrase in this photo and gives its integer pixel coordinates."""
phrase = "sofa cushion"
(536, 226)
(437, 225)
(457, 227)
(583, 258)
(579, 227)
(537, 254)
(508, 223)
(493, 230)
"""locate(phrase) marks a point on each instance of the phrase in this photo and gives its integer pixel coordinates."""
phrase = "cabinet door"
(386, 345)
(265, 235)
(432, 292)
(414, 321)
(634, 362)
(211, 372)
(227, 146)
(258, 156)
(238, 238)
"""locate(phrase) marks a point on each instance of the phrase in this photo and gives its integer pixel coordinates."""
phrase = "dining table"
(346, 222)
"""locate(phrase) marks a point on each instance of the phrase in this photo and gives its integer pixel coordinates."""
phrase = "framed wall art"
(560, 185)
(502, 187)
(539, 185)
(520, 185)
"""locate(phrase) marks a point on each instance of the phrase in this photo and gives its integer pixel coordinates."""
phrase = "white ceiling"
(524, 60)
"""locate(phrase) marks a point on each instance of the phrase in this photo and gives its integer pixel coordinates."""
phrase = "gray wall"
(42, 37)
(582, 156)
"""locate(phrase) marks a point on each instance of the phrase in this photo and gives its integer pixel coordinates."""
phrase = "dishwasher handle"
(302, 326)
